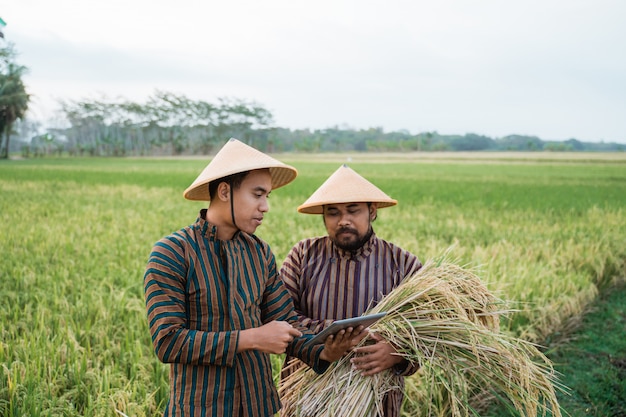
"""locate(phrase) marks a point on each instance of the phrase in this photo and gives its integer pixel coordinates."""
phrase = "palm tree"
(13, 102)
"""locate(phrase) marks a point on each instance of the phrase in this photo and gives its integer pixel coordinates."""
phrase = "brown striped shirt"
(328, 283)
(200, 291)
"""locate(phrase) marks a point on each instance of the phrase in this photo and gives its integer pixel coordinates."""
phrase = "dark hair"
(233, 180)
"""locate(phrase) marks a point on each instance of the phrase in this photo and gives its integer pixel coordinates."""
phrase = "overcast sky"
(554, 69)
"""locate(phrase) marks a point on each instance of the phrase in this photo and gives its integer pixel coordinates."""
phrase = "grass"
(591, 357)
(76, 234)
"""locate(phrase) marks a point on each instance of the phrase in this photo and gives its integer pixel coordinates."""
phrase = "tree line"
(173, 124)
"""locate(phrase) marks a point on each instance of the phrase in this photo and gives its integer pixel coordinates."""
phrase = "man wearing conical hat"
(342, 274)
(215, 303)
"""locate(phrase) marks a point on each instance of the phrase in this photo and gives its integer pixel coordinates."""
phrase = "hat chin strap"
(232, 204)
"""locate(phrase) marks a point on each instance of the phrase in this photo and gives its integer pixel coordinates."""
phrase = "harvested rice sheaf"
(445, 320)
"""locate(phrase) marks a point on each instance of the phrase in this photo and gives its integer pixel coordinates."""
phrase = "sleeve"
(278, 305)
(405, 368)
(410, 264)
(165, 296)
(291, 274)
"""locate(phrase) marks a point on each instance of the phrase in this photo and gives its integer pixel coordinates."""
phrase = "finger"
(365, 350)
(375, 336)
(359, 329)
(361, 362)
(345, 333)
(358, 334)
(295, 332)
(366, 369)
(361, 336)
(370, 372)
(356, 364)
(352, 331)
(340, 334)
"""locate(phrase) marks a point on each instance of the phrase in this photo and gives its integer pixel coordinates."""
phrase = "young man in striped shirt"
(216, 306)
(342, 274)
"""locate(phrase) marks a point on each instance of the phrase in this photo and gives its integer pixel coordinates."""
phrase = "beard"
(352, 245)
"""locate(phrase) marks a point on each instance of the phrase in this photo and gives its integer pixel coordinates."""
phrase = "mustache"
(347, 230)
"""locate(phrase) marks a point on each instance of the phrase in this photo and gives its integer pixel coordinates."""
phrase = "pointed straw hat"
(345, 186)
(235, 157)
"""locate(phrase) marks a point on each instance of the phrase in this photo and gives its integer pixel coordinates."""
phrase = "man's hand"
(337, 345)
(372, 359)
(273, 337)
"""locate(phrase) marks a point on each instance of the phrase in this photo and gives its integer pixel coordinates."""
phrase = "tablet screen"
(338, 325)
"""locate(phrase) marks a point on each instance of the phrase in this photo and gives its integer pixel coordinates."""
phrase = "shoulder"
(181, 241)
(179, 237)
(387, 244)
(253, 241)
(311, 244)
(395, 249)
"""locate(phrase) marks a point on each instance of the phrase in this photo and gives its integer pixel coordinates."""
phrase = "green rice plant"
(446, 321)
(76, 233)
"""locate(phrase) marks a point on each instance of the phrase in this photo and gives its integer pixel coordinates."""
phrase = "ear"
(373, 210)
(223, 191)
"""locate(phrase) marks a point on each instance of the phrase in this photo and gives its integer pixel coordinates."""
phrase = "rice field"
(546, 231)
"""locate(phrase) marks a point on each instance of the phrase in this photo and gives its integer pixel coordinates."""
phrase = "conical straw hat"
(345, 186)
(234, 157)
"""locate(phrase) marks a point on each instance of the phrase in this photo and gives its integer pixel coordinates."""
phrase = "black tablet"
(338, 325)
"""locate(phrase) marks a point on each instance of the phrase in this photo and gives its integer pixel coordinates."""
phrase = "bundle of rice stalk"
(444, 319)
(305, 393)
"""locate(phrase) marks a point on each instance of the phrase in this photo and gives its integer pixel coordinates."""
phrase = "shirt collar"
(207, 229)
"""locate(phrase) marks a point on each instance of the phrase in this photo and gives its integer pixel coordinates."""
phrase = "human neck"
(221, 219)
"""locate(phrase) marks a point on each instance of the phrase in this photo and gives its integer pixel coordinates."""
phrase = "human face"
(250, 200)
(349, 225)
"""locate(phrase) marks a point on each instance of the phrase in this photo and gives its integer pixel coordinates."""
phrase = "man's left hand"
(375, 358)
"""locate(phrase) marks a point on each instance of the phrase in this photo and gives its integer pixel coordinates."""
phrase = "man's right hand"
(273, 337)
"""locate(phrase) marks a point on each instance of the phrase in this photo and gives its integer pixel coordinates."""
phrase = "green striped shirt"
(200, 291)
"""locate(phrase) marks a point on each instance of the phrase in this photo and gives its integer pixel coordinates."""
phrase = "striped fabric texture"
(199, 292)
(328, 283)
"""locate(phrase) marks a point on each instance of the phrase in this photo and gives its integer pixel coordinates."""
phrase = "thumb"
(375, 336)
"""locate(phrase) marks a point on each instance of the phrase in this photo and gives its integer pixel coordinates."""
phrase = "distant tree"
(471, 142)
(166, 124)
(519, 143)
(575, 144)
(13, 97)
(557, 147)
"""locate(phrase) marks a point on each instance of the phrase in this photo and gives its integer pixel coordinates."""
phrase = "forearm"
(247, 341)
(196, 347)
(173, 341)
